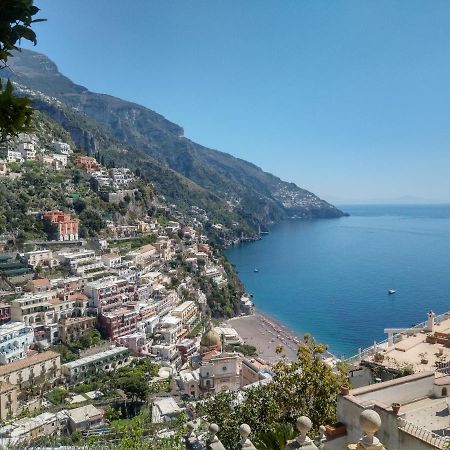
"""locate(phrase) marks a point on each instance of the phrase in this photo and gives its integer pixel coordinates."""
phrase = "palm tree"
(276, 438)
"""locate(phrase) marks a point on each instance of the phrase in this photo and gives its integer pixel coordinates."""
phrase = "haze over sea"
(330, 277)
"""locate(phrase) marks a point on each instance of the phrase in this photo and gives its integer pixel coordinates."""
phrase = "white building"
(111, 260)
(61, 159)
(61, 147)
(85, 418)
(34, 309)
(165, 409)
(421, 421)
(28, 428)
(82, 262)
(220, 373)
(83, 369)
(14, 156)
(137, 343)
(27, 150)
(109, 293)
(122, 177)
(171, 329)
(39, 258)
(15, 340)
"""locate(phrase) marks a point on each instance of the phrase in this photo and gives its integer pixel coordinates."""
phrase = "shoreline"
(266, 334)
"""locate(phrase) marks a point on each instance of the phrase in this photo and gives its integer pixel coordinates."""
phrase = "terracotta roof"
(40, 282)
(146, 248)
(209, 355)
(55, 301)
(27, 362)
(78, 296)
(111, 256)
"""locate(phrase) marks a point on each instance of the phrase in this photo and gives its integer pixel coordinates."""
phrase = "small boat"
(391, 291)
(256, 270)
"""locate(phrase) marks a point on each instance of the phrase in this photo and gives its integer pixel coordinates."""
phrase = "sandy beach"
(266, 335)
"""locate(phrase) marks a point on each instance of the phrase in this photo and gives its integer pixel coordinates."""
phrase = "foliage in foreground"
(16, 18)
(308, 386)
(140, 434)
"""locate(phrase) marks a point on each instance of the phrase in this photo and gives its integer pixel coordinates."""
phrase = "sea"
(330, 277)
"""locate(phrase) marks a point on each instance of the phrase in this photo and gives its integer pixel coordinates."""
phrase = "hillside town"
(124, 325)
(74, 310)
(89, 324)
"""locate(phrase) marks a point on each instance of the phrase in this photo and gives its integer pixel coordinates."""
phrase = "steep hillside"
(146, 136)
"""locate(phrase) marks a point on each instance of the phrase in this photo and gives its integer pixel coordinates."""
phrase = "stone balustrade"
(370, 423)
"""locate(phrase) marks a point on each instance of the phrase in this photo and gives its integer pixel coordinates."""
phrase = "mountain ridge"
(260, 197)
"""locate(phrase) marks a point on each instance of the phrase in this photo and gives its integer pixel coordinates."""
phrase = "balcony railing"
(370, 351)
(437, 441)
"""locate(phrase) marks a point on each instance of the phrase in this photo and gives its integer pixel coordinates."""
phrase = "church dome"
(210, 340)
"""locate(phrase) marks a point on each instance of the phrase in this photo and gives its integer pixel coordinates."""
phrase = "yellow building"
(8, 401)
(42, 371)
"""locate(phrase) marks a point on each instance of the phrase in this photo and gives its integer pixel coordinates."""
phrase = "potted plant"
(378, 357)
(345, 389)
(396, 408)
(423, 358)
(336, 430)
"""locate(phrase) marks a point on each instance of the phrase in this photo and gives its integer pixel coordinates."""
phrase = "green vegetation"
(133, 243)
(308, 387)
(196, 331)
(245, 349)
(16, 18)
(222, 302)
(57, 396)
(134, 379)
(66, 354)
(140, 433)
(15, 112)
(70, 352)
(15, 24)
(40, 189)
(90, 338)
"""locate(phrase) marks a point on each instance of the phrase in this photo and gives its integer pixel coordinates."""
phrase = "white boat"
(256, 270)
(391, 291)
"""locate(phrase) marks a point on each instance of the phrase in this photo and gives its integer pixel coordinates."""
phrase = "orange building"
(88, 163)
(66, 228)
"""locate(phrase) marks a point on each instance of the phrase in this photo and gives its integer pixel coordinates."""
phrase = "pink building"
(66, 228)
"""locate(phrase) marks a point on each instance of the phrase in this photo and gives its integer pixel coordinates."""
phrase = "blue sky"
(350, 99)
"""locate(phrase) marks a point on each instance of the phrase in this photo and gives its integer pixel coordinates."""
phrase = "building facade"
(83, 369)
(72, 328)
(65, 228)
(42, 370)
(15, 340)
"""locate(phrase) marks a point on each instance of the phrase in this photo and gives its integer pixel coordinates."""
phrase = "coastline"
(266, 334)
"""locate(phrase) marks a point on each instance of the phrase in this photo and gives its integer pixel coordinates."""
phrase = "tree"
(15, 112)
(258, 409)
(92, 221)
(79, 205)
(16, 18)
(308, 386)
(112, 414)
(57, 396)
(134, 387)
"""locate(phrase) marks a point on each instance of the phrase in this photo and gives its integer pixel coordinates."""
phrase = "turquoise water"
(330, 277)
